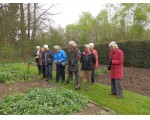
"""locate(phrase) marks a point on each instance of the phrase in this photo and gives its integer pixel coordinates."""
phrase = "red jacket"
(117, 57)
(96, 56)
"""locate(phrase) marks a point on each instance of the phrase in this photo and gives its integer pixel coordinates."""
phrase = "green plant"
(44, 101)
(5, 76)
(11, 72)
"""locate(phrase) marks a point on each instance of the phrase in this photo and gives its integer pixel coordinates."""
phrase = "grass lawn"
(131, 104)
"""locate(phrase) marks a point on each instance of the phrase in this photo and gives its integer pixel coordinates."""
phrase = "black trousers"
(44, 71)
(70, 77)
(40, 69)
(60, 72)
(93, 76)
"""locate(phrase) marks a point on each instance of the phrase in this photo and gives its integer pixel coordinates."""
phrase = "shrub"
(136, 53)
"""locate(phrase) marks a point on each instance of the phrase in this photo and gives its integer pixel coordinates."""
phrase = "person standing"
(37, 59)
(116, 69)
(91, 46)
(59, 57)
(87, 62)
(73, 62)
(40, 60)
(48, 60)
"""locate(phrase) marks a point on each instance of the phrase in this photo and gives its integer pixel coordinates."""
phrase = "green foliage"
(100, 72)
(10, 73)
(136, 53)
(44, 101)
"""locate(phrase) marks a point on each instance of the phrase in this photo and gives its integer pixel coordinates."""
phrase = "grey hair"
(57, 47)
(86, 46)
(37, 47)
(45, 46)
(113, 44)
(91, 45)
(72, 43)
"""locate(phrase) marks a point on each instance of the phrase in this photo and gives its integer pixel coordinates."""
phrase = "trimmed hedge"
(136, 53)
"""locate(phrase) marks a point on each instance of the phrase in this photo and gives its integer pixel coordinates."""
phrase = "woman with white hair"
(37, 60)
(91, 45)
(59, 58)
(87, 62)
(116, 69)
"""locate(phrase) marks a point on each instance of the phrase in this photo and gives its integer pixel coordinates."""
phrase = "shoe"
(112, 93)
(86, 89)
(66, 83)
(119, 96)
(77, 88)
(92, 83)
(56, 81)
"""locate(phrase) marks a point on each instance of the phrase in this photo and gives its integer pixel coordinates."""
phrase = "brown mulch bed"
(22, 87)
(135, 79)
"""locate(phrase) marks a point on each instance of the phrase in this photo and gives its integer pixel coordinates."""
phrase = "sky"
(70, 10)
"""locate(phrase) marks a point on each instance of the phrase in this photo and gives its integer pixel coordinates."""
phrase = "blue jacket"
(61, 55)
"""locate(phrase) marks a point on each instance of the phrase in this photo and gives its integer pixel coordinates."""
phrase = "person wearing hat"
(87, 62)
(47, 60)
(91, 45)
(59, 58)
(116, 69)
(73, 62)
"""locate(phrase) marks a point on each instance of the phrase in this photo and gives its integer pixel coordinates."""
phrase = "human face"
(86, 49)
(42, 49)
(71, 47)
(38, 49)
(113, 48)
(56, 50)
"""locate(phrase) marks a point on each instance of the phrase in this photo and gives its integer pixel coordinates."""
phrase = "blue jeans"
(49, 71)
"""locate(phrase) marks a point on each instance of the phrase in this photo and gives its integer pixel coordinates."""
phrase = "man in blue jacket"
(59, 58)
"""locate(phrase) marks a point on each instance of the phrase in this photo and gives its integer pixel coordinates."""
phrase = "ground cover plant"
(10, 73)
(44, 101)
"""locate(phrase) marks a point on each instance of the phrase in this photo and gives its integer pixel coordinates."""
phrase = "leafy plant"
(44, 101)
(10, 73)
(103, 71)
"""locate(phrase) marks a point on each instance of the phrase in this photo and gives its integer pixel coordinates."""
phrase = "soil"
(135, 79)
(21, 87)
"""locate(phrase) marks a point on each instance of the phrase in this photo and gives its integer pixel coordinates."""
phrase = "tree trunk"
(22, 22)
(34, 24)
(29, 20)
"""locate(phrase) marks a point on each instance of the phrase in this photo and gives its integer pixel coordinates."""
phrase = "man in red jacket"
(116, 69)
(91, 46)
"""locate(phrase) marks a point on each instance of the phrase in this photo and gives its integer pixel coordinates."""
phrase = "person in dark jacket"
(116, 69)
(48, 60)
(73, 62)
(59, 58)
(87, 62)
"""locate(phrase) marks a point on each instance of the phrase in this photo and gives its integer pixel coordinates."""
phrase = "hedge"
(136, 53)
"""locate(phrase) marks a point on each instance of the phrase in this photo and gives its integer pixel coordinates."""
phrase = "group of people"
(88, 60)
